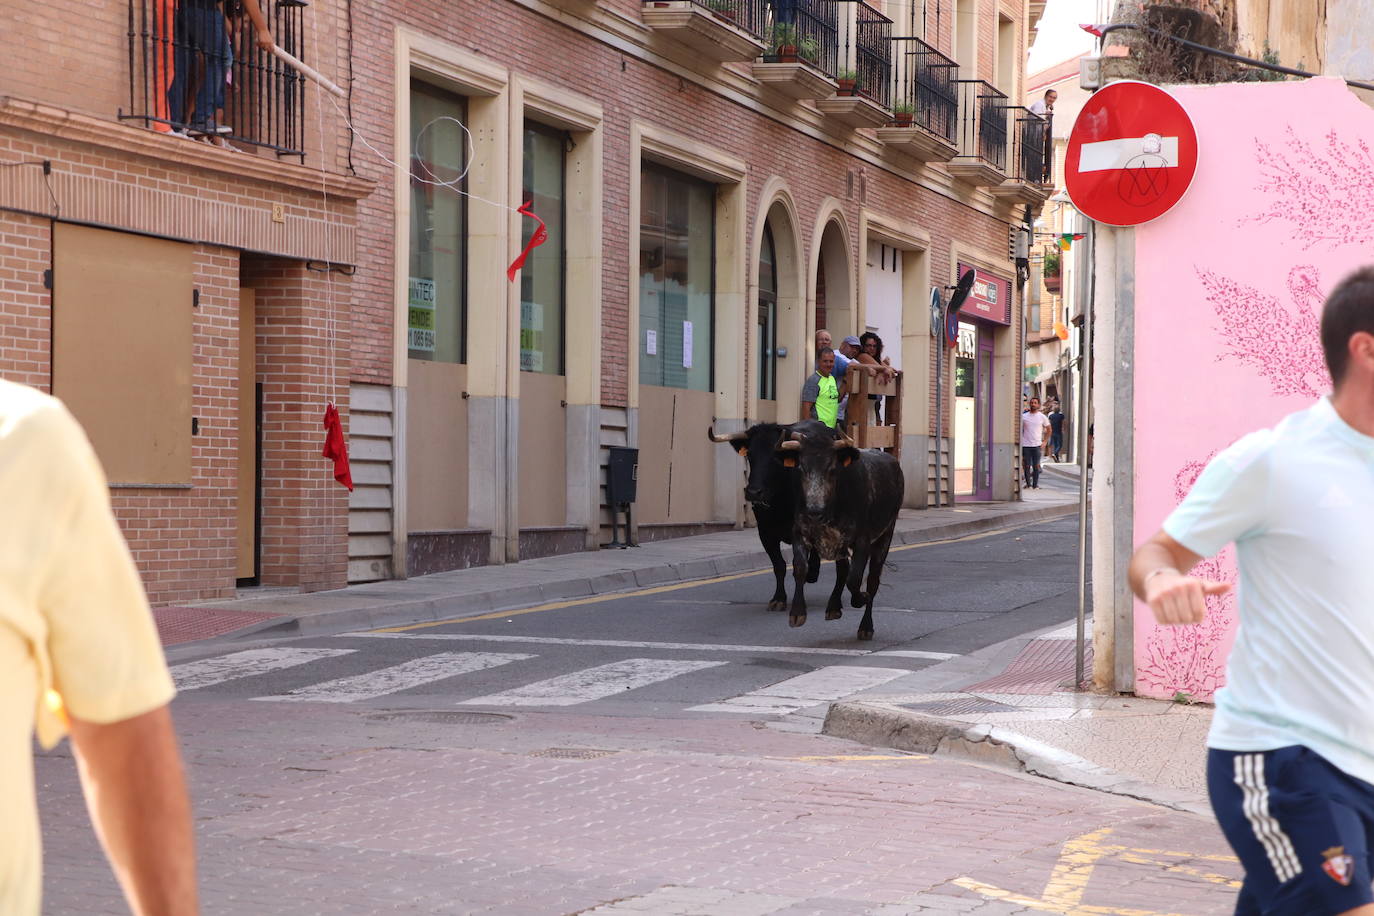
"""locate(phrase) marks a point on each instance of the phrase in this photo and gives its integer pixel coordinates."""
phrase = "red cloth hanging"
(537, 238)
(336, 448)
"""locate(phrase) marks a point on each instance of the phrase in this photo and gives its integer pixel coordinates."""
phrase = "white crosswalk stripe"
(209, 671)
(593, 683)
(820, 686)
(400, 677)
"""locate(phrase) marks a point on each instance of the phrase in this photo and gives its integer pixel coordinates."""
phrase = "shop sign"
(990, 298)
(421, 308)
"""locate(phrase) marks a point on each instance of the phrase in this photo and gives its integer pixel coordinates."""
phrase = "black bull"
(847, 505)
(772, 491)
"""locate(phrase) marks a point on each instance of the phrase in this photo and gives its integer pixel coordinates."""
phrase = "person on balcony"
(1038, 167)
(201, 31)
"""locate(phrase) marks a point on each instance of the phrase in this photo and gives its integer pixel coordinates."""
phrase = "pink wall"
(1229, 286)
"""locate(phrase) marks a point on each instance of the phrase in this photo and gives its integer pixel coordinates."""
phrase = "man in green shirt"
(820, 394)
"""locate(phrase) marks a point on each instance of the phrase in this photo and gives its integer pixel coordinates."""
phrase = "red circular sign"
(1132, 154)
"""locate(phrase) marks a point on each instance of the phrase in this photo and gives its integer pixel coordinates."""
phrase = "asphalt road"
(687, 650)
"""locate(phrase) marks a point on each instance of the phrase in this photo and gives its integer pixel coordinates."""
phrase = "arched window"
(768, 318)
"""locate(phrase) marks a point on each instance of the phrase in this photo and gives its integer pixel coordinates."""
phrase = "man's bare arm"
(136, 792)
(1159, 576)
(254, 12)
(806, 410)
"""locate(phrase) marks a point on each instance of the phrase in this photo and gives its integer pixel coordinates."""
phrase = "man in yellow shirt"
(79, 653)
(820, 394)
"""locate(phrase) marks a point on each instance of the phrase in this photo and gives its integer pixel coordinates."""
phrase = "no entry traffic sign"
(1132, 154)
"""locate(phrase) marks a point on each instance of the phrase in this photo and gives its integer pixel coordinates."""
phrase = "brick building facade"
(478, 409)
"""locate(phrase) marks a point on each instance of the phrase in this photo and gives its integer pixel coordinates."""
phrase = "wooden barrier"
(859, 422)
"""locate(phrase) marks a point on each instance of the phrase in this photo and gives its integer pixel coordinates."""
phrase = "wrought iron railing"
(1030, 144)
(924, 85)
(749, 15)
(982, 123)
(865, 40)
(804, 31)
(194, 70)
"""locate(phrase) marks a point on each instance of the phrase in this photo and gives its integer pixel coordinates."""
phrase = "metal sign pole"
(1084, 421)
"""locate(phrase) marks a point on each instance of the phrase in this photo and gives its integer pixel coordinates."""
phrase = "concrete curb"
(354, 611)
(888, 725)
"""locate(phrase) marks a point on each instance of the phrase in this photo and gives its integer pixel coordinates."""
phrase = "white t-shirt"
(1296, 500)
(73, 616)
(1033, 428)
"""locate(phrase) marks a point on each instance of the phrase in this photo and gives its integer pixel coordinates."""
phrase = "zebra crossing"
(454, 672)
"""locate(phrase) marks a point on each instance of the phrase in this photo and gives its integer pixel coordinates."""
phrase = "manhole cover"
(960, 707)
(441, 717)
(572, 753)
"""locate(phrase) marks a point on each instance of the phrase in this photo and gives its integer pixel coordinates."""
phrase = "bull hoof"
(858, 599)
(796, 620)
(833, 613)
(813, 575)
(777, 605)
(865, 635)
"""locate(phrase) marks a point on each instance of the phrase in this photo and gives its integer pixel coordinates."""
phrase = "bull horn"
(728, 437)
(844, 442)
(791, 445)
(795, 436)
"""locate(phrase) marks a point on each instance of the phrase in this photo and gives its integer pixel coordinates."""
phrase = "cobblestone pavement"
(331, 809)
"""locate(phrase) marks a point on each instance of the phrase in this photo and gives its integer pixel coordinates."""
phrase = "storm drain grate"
(966, 707)
(572, 753)
(442, 717)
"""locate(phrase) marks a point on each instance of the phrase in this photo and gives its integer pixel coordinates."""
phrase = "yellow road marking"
(657, 589)
(1068, 882)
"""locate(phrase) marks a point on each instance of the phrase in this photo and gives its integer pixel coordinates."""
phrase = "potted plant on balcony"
(1051, 270)
(903, 113)
(725, 9)
(782, 42)
(809, 50)
(846, 79)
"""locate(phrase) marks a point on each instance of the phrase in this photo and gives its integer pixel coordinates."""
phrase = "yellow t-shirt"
(73, 615)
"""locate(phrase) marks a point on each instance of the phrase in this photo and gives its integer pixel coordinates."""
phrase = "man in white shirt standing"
(1290, 767)
(1035, 432)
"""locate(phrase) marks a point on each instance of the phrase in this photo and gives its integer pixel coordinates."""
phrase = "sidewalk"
(480, 590)
(1011, 705)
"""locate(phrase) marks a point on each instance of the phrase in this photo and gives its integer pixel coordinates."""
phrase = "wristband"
(1154, 572)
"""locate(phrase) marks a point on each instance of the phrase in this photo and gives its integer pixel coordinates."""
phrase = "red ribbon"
(537, 238)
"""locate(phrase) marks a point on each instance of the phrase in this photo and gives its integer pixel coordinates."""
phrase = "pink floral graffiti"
(1189, 659)
(1325, 196)
(1280, 341)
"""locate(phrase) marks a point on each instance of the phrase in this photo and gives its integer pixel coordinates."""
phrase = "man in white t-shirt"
(1290, 767)
(1035, 432)
(79, 654)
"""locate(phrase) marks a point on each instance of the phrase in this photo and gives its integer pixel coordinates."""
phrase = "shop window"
(437, 328)
(768, 318)
(676, 280)
(542, 304)
(964, 360)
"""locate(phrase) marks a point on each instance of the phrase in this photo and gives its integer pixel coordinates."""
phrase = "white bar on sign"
(210, 671)
(400, 677)
(592, 683)
(1117, 154)
(820, 686)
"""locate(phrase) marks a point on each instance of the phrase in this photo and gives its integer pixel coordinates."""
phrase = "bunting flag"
(1067, 239)
(537, 238)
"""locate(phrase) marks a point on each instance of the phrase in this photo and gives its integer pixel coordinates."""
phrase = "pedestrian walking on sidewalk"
(1290, 767)
(1056, 418)
(1035, 433)
(79, 653)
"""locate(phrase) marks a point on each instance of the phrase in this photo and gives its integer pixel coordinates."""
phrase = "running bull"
(847, 504)
(772, 492)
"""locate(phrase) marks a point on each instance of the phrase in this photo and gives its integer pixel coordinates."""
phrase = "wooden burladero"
(860, 423)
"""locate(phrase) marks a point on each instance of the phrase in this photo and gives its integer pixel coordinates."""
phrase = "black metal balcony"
(192, 70)
(866, 50)
(804, 31)
(1032, 158)
(926, 88)
(749, 15)
(982, 135)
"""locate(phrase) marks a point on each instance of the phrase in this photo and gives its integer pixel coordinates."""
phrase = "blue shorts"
(1301, 828)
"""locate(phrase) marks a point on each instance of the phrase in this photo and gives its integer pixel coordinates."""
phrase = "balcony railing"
(805, 31)
(865, 46)
(982, 124)
(1030, 134)
(192, 70)
(926, 82)
(749, 15)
